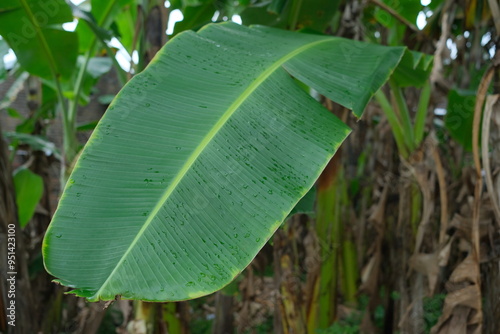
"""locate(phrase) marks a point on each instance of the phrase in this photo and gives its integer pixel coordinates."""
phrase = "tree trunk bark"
(224, 314)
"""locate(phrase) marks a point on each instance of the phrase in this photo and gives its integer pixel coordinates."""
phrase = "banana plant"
(200, 158)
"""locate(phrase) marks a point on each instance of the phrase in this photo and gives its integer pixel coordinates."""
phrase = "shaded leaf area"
(459, 118)
(93, 25)
(314, 15)
(407, 8)
(195, 17)
(29, 190)
(230, 123)
(306, 204)
(96, 67)
(414, 70)
(291, 14)
(33, 30)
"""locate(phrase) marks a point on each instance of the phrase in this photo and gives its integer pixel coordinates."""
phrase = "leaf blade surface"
(193, 167)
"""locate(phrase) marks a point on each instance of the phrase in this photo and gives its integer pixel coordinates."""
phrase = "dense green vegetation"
(217, 173)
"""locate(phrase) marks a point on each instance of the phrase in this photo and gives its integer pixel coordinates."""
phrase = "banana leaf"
(33, 29)
(200, 158)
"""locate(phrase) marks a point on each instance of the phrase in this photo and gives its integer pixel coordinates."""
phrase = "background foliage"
(403, 236)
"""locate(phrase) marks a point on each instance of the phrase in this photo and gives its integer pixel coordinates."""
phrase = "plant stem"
(393, 122)
(344, 237)
(328, 227)
(423, 105)
(404, 115)
(294, 16)
(350, 270)
(79, 83)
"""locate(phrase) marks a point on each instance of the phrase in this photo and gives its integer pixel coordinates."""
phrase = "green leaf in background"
(88, 28)
(99, 66)
(176, 4)
(14, 113)
(126, 21)
(190, 3)
(460, 115)
(408, 9)
(315, 15)
(93, 25)
(201, 157)
(276, 6)
(413, 70)
(87, 126)
(29, 191)
(33, 29)
(312, 14)
(35, 142)
(259, 14)
(96, 67)
(195, 17)
(306, 204)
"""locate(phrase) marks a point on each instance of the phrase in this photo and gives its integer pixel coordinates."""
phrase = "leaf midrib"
(201, 147)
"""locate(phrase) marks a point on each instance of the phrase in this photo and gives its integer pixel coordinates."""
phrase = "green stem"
(404, 115)
(329, 208)
(423, 105)
(170, 317)
(350, 270)
(393, 122)
(344, 237)
(294, 17)
(79, 83)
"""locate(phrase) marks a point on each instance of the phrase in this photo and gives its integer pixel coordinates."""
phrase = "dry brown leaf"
(463, 225)
(368, 271)
(378, 211)
(444, 253)
(462, 305)
(428, 265)
(468, 271)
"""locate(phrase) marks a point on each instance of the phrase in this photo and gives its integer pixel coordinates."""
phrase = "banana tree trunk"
(224, 314)
(289, 314)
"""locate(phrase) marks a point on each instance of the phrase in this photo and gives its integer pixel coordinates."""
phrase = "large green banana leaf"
(200, 158)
